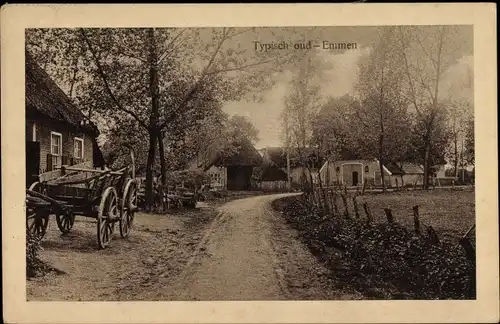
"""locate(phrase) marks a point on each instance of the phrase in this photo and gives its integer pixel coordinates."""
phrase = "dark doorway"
(355, 178)
(32, 162)
(239, 177)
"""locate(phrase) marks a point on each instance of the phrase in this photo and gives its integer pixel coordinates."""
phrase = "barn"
(230, 171)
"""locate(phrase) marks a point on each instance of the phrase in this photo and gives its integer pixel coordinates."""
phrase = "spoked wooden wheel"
(36, 186)
(37, 221)
(65, 221)
(108, 213)
(128, 207)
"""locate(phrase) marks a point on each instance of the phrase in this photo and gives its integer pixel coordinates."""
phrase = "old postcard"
(249, 163)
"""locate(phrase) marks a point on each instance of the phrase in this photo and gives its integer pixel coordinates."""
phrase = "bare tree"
(426, 57)
(383, 132)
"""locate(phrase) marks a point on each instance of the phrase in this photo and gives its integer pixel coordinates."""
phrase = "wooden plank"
(119, 172)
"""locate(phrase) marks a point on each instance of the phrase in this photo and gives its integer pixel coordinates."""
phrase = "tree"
(155, 77)
(382, 115)
(427, 53)
(469, 140)
(242, 128)
(301, 106)
(331, 127)
(460, 112)
(440, 133)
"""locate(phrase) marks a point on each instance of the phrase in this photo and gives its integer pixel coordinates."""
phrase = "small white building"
(356, 172)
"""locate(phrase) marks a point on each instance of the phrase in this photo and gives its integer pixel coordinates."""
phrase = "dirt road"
(245, 251)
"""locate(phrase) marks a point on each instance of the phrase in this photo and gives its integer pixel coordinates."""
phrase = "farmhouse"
(229, 171)
(357, 172)
(408, 173)
(57, 132)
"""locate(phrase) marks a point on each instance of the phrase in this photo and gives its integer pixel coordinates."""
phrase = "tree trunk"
(163, 169)
(426, 164)
(381, 153)
(455, 145)
(149, 171)
(382, 178)
(132, 158)
(153, 121)
(73, 80)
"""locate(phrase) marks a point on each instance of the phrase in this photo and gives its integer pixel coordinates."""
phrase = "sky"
(339, 68)
(265, 115)
(340, 76)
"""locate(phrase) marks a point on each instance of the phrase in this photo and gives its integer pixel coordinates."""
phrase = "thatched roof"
(245, 154)
(45, 98)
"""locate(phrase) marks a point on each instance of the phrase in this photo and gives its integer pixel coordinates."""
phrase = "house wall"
(441, 173)
(43, 131)
(218, 176)
(410, 179)
(330, 176)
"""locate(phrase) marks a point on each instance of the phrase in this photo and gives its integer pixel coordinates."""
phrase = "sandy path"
(243, 250)
(251, 254)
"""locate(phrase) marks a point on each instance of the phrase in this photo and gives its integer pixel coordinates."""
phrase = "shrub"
(387, 252)
(33, 263)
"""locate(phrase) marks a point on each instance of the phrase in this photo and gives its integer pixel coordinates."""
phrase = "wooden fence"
(338, 202)
(279, 186)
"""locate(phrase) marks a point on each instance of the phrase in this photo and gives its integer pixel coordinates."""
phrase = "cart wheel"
(37, 222)
(35, 186)
(108, 210)
(65, 221)
(128, 207)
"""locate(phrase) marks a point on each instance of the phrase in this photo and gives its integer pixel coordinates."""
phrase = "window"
(337, 169)
(367, 169)
(216, 178)
(55, 148)
(34, 132)
(78, 149)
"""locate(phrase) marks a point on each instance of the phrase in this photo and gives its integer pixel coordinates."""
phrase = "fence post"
(368, 214)
(416, 220)
(335, 206)
(388, 213)
(344, 199)
(468, 248)
(355, 205)
(325, 200)
(433, 237)
(331, 198)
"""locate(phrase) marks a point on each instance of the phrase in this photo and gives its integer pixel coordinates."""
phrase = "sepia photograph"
(250, 163)
(249, 170)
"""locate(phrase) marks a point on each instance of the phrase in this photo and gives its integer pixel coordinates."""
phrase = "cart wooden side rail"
(106, 195)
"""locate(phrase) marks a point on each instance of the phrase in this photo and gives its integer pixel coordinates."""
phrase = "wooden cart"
(106, 195)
